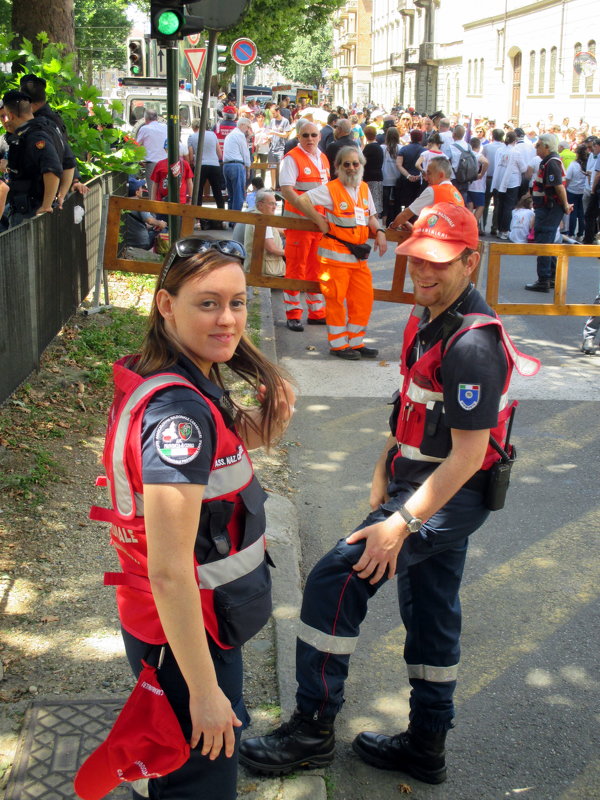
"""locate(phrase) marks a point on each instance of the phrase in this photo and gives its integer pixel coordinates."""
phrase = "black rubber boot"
(301, 743)
(419, 753)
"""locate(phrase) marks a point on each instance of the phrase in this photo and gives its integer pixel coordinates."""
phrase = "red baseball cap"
(146, 741)
(441, 233)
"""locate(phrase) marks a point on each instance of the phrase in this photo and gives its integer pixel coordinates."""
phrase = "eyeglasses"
(193, 246)
(348, 164)
(306, 135)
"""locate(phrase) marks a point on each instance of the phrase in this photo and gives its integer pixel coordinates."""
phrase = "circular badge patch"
(307, 170)
(343, 206)
(178, 440)
(432, 220)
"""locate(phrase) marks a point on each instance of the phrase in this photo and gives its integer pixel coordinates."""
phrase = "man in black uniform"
(431, 489)
(34, 158)
(35, 87)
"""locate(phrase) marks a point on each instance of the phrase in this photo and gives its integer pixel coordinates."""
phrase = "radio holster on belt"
(499, 473)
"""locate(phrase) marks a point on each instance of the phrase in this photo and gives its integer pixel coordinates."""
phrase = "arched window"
(552, 75)
(589, 81)
(481, 76)
(542, 76)
(469, 73)
(475, 84)
(575, 87)
(457, 93)
(532, 72)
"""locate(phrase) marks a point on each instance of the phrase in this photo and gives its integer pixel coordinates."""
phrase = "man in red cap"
(434, 485)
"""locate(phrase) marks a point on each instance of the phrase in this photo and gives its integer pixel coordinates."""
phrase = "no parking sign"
(243, 52)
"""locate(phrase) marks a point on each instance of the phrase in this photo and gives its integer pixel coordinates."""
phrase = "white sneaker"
(503, 236)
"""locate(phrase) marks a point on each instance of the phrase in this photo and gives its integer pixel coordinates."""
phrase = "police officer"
(429, 494)
(35, 87)
(34, 158)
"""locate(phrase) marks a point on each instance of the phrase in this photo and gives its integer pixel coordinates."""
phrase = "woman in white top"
(261, 138)
(509, 168)
(523, 218)
(391, 173)
(575, 185)
(476, 190)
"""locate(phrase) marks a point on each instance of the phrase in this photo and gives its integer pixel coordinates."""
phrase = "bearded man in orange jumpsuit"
(346, 282)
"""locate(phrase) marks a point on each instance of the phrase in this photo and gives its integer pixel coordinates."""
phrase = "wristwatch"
(380, 230)
(413, 524)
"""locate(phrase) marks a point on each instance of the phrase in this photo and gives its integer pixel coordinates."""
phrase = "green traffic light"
(168, 23)
(135, 70)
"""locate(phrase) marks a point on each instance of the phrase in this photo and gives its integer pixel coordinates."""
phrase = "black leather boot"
(417, 752)
(301, 743)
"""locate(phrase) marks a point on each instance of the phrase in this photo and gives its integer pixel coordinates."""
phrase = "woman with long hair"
(391, 172)
(187, 518)
(575, 185)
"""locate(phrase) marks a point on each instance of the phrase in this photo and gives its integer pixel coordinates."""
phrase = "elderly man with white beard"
(344, 275)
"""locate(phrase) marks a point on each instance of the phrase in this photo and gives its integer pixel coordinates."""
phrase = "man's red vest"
(421, 390)
(229, 555)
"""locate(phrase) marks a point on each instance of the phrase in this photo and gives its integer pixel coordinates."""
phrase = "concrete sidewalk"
(284, 547)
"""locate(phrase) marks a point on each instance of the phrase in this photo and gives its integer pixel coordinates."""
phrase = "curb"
(284, 547)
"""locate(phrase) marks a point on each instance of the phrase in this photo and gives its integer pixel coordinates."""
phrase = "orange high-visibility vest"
(343, 223)
(447, 193)
(309, 177)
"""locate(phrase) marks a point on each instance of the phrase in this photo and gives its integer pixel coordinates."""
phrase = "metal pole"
(173, 131)
(240, 86)
(212, 42)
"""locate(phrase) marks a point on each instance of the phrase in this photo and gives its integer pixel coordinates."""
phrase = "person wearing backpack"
(464, 162)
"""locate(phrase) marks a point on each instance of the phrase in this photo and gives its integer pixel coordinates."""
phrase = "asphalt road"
(528, 707)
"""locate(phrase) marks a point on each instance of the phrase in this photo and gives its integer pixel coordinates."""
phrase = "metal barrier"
(562, 252)
(47, 268)
(254, 277)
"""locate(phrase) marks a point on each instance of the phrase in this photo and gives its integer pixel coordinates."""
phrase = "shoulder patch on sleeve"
(178, 439)
(41, 144)
(468, 395)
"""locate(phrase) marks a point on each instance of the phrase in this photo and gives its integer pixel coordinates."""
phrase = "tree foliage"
(309, 57)
(98, 147)
(274, 26)
(101, 28)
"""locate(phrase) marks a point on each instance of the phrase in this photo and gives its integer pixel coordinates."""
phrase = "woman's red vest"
(229, 554)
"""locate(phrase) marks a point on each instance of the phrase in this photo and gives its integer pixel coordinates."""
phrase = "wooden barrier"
(562, 252)
(254, 277)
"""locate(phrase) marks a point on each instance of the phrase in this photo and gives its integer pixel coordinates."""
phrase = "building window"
(542, 76)
(457, 93)
(469, 73)
(532, 72)
(575, 88)
(481, 76)
(475, 77)
(499, 47)
(552, 75)
(589, 81)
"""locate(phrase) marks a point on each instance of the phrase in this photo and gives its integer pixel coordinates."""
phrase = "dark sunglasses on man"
(194, 245)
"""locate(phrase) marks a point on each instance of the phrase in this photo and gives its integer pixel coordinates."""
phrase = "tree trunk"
(55, 17)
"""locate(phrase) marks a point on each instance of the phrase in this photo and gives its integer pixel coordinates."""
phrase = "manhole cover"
(56, 739)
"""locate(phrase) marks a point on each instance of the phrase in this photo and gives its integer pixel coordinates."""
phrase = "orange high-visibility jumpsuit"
(301, 246)
(345, 281)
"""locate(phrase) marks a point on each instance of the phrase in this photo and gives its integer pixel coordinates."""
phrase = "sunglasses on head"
(347, 164)
(306, 135)
(193, 246)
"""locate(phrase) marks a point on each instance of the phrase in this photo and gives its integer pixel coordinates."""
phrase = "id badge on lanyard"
(359, 213)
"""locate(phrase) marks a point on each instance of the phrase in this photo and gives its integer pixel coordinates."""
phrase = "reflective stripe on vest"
(342, 222)
(230, 477)
(425, 672)
(324, 643)
(218, 573)
(333, 255)
(122, 492)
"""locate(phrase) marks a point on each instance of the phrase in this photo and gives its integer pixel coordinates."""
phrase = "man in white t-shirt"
(152, 136)
(440, 189)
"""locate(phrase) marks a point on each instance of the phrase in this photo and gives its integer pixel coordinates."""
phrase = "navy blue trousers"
(199, 777)
(547, 220)
(430, 568)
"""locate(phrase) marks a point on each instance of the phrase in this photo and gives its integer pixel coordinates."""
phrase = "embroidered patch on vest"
(41, 144)
(468, 395)
(178, 440)
(307, 170)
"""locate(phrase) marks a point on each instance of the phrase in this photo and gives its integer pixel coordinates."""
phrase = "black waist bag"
(359, 251)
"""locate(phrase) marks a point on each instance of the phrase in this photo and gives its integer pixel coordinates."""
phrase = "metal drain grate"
(56, 739)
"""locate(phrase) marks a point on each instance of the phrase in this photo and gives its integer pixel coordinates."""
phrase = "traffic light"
(220, 59)
(170, 20)
(137, 57)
